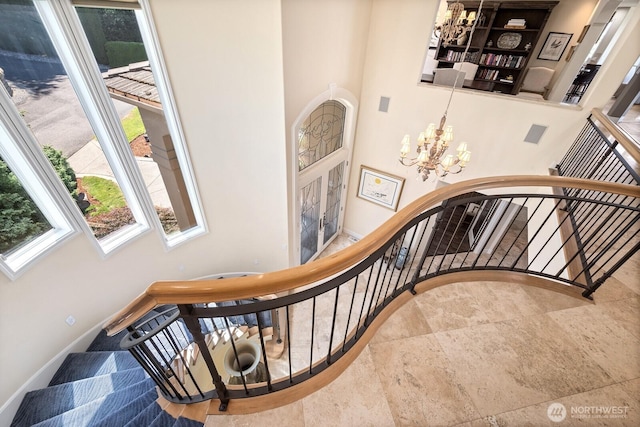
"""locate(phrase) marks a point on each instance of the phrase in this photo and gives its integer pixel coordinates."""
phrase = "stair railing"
(203, 348)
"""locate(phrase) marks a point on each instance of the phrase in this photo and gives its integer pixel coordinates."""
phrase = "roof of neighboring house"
(134, 82)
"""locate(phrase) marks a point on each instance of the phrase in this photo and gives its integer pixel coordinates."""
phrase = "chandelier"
(433, 143)
(456, 25)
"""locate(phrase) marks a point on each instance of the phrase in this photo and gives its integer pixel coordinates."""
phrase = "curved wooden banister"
(199, 291)
(620, 135)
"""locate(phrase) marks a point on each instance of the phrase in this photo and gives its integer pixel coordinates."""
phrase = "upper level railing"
(221, 339)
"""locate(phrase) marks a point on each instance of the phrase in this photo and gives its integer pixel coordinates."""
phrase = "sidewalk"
(90, 160)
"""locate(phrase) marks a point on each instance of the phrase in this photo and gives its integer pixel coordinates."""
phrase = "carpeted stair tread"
(87, 414)
(64, 397)
(103, 342)
(128, 411)
(145, 417)
(163, 419)
(77, 366)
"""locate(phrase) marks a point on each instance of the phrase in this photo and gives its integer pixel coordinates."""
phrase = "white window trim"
(163, 85)
(20, 151)
(66, 33)
(65, 28)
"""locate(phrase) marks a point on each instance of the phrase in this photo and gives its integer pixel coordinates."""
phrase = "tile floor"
(630, 122)
(487, 354)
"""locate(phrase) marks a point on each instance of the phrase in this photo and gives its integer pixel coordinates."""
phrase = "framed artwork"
(380, 187)
(554, 46)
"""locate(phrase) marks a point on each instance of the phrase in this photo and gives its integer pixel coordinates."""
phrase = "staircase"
(102, 387)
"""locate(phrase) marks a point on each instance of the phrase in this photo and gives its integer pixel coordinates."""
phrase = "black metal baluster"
(289, 345)
(333, 325)
(264, 352)
(353, 297)
(313, 321)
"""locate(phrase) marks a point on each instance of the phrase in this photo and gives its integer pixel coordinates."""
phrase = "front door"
(322, 166)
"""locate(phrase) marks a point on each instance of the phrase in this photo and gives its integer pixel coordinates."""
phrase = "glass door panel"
(334, 196)
(309, 219)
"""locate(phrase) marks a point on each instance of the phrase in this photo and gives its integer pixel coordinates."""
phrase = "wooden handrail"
(620, 135)
(200, 291)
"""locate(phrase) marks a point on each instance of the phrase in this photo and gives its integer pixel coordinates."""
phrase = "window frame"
(26, 159)
(20, 151)
(61, 15)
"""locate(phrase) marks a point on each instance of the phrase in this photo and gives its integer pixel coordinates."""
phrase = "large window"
(31, 219)
(76, 147)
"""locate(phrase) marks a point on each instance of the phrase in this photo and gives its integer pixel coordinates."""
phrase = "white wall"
(324, 43)
(493, 125)
(225, 63)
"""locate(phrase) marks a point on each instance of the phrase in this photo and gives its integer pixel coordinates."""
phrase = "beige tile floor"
(487, 354)
(630, 122)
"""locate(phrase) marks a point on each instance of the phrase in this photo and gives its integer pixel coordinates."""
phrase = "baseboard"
(42, 377)
(352, 234)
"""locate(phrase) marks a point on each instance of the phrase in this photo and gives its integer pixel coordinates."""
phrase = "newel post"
(193, 325)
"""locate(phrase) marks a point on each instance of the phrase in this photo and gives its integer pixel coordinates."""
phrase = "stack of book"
(516, 23)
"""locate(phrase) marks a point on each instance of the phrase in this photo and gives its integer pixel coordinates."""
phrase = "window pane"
(21, 221)
(120, 52)
(321, 133)
(42, 92)
(309, 219)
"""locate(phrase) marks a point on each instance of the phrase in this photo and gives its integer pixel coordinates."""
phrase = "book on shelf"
(457, 56)
(516, 24)
(500, 60)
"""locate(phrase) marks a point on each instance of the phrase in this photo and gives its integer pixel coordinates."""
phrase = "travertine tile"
(629, 273)
(408, 321)
(419, 385)
(509, 364)
(611, 290)
(551, 301)
(614, 348)
(625, 312)
(290, 415)
(592, 408)
(563, 367)
(480, 422)
(451, 307)
(353, 399)
(632, 387)
(502, 301)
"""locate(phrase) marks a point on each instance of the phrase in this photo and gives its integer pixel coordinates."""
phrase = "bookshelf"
(505, 36)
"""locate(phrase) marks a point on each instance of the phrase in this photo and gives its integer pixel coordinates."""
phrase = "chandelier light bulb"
(406, 146)
(464, 157)
(430, 133)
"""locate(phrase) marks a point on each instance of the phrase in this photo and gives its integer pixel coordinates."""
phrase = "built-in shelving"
(500, 49)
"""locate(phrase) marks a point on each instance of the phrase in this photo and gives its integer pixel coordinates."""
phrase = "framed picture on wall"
(554, 46)
(380, 187)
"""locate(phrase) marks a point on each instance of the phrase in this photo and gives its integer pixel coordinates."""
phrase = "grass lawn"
(132, 124)
(106, 192)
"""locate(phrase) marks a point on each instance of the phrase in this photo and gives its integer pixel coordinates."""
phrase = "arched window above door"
(321, 133)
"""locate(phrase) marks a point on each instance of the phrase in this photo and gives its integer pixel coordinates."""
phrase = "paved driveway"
(44, 96)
